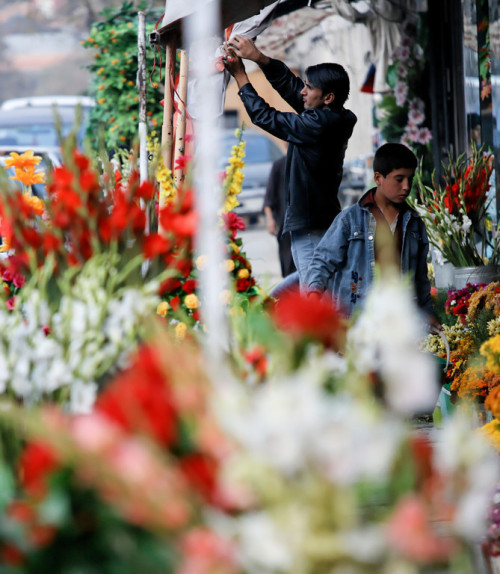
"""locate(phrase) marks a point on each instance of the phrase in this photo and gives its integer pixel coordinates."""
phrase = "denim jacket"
(347, 252)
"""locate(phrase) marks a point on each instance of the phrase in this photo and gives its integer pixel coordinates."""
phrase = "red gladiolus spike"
(140, 399)
(304, 317)
(154, 245)
(37, 461)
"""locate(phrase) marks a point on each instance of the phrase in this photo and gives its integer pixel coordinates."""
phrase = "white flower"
(385, 339)
(83, 396)
(261, 545)
(465, 458)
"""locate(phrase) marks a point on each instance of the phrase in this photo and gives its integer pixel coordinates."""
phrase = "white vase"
(444, 272)
(479, 274)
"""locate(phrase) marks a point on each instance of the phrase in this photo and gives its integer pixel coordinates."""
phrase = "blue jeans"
(289, 283)
(303, 245)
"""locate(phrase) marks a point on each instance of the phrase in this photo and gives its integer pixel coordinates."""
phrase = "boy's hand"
(434, 324)
(245, 48)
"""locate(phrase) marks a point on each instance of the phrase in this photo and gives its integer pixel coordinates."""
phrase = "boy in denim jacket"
(348, 249)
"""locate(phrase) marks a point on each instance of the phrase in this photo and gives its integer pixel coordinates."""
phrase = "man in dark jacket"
(317, 135)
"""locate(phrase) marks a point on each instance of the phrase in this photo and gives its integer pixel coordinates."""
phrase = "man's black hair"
(391, 156)
(330, 78)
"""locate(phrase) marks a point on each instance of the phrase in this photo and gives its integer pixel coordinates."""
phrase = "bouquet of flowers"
(455, 213)
(120, 489)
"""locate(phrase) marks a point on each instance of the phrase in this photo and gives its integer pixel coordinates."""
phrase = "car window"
(258, 149)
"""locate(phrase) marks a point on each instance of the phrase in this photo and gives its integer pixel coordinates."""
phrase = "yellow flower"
(201, 262)
(162, 309)
(191, 301)
(229, 264)
(26, 159)
(243, 274)
(491, 431)
(235, 248)
(180, 331)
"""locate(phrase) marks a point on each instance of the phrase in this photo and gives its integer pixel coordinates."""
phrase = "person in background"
(474, 130)
(274, 211)
(317, 134)
(348, 251)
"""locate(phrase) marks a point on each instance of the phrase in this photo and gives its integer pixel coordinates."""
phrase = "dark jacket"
(317, 142)
(347, 253)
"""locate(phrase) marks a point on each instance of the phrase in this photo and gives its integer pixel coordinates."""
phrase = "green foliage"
(114, 73)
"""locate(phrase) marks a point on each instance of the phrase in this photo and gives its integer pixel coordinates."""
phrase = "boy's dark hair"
(391, 156)
(329, 77)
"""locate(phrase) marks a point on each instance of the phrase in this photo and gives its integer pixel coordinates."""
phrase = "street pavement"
(261, 249)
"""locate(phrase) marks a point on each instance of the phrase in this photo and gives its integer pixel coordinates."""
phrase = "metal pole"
(141, 86)
(202, 28)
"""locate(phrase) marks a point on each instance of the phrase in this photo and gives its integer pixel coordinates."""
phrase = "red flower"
(242, 285)
(182, 162)
(308, 317)
(37, 461)
(169, 285)
(140, 399)
(190, 285)
(201, 473)
(146, 191)
(175, 303)
(154, 245)
(233, 222)
(10, 554)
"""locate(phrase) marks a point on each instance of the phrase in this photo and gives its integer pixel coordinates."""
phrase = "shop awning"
(232, 11)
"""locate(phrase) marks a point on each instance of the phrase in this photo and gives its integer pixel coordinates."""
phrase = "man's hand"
(271, 225)
(235, 66)
(245, 48)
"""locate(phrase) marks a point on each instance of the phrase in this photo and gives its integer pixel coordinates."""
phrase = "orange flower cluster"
(475, 382)
(487, 298)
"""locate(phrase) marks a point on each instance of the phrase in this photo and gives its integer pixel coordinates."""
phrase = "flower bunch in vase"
(455, 212)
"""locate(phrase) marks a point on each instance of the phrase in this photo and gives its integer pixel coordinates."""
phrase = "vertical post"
(141, 86)
(202, 27)
(180, 128)
(168, 104)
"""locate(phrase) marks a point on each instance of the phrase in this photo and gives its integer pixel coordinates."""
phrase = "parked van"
(28, 122)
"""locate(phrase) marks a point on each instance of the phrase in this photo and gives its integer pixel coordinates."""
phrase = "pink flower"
(404, 53)
(416, 117)
(409, 532)
(424, 136)
(204, 553)
(19, 280)
(401, 93)
(94, 433)
(8, 275)
(11, 303)
(412, 133)
(402, 71)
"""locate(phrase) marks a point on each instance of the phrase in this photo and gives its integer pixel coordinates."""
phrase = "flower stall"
(458, 220)
(159, 412)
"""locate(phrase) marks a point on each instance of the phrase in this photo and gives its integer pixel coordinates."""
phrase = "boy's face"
(396, 185)
(314, 98)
